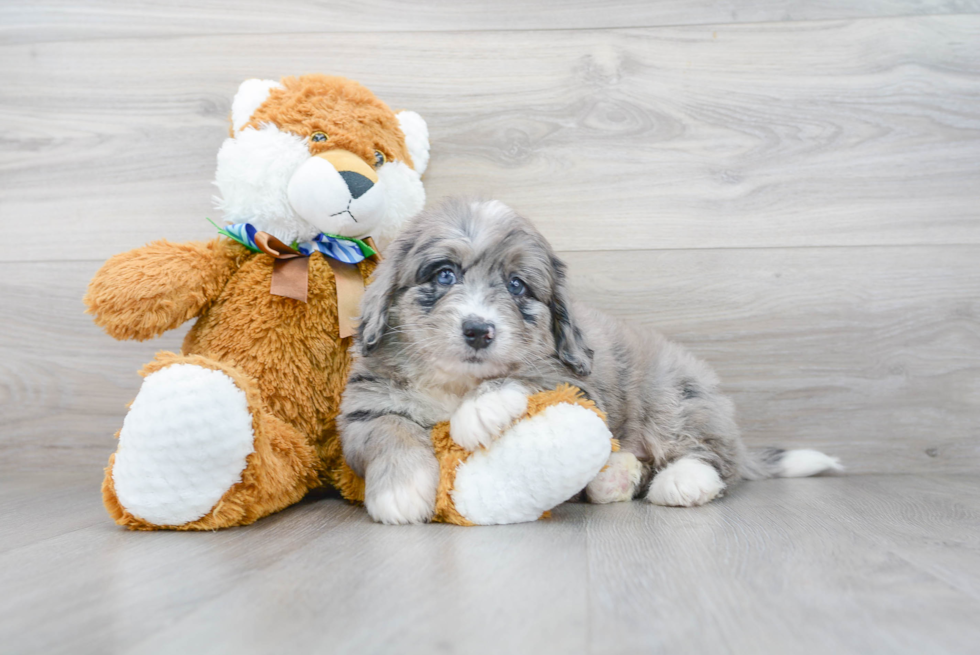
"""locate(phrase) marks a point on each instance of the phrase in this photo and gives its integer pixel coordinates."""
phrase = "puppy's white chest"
(444, 395)
(444, 404)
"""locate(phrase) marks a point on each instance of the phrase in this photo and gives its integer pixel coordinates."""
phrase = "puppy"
(468, 315)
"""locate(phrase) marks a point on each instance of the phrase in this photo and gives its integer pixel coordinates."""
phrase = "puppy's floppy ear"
(377, 299)
(570, 345)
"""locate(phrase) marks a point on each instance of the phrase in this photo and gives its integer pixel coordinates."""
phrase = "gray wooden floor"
(862, 564)
(790, 188)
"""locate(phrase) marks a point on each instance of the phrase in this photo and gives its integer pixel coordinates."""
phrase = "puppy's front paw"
(398, 497)
(481, 419)
(688, 482)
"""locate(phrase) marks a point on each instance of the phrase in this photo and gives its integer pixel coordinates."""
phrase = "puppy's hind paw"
(688, 482)
(483, 418)
(617, 480)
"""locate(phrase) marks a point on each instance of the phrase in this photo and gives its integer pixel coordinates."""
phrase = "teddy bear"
(316, 177)
(549, 454)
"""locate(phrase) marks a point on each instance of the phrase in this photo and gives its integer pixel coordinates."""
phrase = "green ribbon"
(366, 250)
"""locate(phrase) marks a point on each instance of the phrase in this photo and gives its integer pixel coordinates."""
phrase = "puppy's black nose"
(478, 334)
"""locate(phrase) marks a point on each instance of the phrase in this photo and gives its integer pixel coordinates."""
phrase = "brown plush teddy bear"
(241, 423)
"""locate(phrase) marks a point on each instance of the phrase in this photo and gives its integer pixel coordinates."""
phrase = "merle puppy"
(468, 315)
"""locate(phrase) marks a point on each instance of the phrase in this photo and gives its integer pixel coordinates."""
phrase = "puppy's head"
(473, 289)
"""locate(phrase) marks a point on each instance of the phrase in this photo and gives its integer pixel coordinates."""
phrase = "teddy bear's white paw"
(539, 463)
(402, 493)
(617, 480)
(688, 482)
(481, 419)
(183, 444)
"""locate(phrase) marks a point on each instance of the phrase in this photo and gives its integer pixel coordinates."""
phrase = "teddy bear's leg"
(199, 451)
(535, 465)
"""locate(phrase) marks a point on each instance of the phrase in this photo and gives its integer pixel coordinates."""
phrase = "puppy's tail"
(764, 463)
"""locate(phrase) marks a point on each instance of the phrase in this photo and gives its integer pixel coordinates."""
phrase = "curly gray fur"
(412, 366)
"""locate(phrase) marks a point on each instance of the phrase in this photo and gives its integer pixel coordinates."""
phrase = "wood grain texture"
(871, 354)
(64, 384)
(861, 132)
(932, 524)
(795, 201)
(50, 20)
(788, 188)
(802, 566)
(845, 565)
(70, 503)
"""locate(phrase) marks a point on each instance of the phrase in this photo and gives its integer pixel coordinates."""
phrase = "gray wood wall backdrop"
(792, 189)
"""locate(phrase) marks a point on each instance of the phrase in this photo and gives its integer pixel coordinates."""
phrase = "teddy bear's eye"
(318, 137)
(379, 159)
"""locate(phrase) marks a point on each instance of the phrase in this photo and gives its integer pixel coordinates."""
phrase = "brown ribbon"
(291, 278)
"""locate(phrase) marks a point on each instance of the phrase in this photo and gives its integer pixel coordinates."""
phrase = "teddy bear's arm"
(142, 293)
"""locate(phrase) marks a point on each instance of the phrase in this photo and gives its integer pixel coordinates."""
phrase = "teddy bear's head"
(316, 154)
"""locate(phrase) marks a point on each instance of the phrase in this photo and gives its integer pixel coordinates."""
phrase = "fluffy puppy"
(468, 315)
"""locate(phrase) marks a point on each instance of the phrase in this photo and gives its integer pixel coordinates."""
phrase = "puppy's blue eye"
(446, 277)
(516, 287)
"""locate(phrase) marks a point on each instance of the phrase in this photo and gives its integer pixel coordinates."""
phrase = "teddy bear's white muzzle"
(344, 202)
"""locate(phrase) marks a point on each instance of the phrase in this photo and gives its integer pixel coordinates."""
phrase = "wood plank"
(56, 20)
(352, 584)
(39, 505)
(930, 522)
(787, 134)
(64, 384)
(415, 589)
(779, 566)
(871, 354)
(110, 588)
(804, 566)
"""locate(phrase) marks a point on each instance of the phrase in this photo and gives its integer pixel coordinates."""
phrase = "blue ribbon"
(343, 249)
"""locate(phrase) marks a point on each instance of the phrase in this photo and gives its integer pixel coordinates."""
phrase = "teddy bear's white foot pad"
(182, 445)
(534, 466)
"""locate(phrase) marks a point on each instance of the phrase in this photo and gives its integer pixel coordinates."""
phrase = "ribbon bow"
(344, 249)
(290, 271)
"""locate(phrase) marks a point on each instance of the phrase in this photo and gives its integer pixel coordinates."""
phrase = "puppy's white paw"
(483, 418)
(401, 497)
(688, 482)
(617, 481)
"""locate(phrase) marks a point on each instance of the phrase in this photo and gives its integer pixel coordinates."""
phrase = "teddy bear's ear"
(251, 94)
(416, 139)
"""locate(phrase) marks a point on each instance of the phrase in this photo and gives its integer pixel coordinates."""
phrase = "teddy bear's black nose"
(357, 183)
(478, 334)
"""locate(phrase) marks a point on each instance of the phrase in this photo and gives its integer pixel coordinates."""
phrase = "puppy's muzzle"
(478, 334)
(338, 192)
